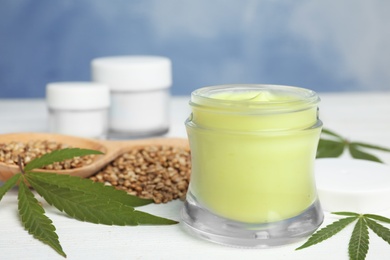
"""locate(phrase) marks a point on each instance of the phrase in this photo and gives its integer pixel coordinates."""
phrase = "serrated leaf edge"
(9, 184)
(328, 231)
(79, 207)
(77, 204)
(90, 187)
(377, 217)
(381, 231)
(35, 221)
(359, 243)
(346, 213)
(58, 156)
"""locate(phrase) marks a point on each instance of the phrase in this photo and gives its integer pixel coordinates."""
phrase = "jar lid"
(77, 95)
(345, 184)
(133, 73)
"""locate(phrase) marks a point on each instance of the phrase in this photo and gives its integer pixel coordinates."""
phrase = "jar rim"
(288, 98)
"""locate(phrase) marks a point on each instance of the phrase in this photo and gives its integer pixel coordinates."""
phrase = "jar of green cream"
(253, 149)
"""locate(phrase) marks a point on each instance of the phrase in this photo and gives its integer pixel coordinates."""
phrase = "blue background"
(325, 45)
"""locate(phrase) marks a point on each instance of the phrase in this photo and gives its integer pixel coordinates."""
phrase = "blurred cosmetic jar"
(140, 94)
(78, 108)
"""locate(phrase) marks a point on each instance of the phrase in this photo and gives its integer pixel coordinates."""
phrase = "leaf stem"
(20, 164)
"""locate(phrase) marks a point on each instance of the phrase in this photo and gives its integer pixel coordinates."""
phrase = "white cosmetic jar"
(78, 108)
(140, 94)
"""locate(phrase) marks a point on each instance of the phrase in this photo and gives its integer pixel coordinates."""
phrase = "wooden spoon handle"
(116, 148)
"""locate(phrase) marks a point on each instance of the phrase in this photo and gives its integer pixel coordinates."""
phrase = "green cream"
(252, 96)
(253, 153)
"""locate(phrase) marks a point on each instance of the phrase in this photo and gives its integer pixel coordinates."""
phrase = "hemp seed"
(160, 173)
(9, 153)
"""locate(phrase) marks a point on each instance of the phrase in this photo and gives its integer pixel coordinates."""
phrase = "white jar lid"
(133, 73)
(352, 185)
(77, 95)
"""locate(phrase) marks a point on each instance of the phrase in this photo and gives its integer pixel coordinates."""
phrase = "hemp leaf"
(35, 221)
(328, 232)
(358, 244)
(334, 145)
(359, 241)
(80, 198)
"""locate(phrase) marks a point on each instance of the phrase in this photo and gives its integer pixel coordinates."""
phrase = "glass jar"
(253, 149)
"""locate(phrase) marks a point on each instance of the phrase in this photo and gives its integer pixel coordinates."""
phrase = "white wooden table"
(359, 116)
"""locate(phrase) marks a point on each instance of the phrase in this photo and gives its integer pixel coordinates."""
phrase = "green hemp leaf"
(359, 241)
(80, 198)
(333, 145)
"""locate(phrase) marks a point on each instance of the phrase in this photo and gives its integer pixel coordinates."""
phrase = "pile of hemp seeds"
(27, 151)
(160, 173)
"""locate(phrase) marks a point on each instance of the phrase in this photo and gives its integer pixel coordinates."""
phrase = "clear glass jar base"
(202, 223)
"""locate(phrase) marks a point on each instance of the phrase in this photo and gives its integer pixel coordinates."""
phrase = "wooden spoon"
(111, 150)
